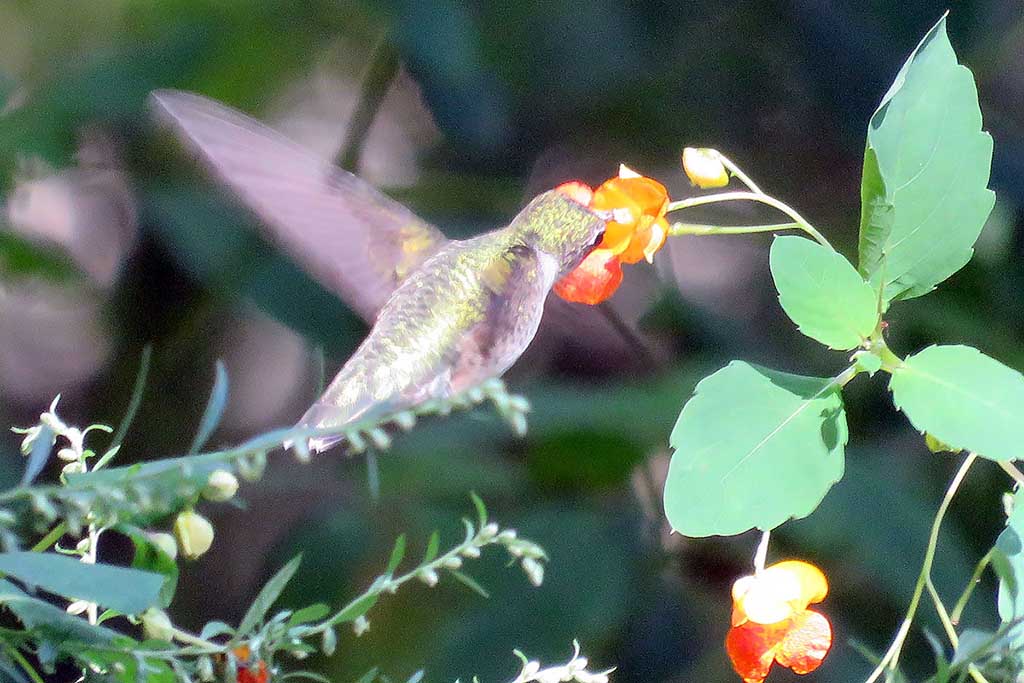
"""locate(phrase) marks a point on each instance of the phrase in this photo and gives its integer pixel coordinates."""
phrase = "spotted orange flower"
(636, 230)
(771, 621)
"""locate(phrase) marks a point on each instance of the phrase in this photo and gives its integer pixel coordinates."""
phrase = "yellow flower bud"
(165, 542)
(157, 625)
(221, 486)
(194, 533)
(704, 167)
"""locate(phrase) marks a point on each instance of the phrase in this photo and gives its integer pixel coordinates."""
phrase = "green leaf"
(152, 558)
(1008, 563)
(433, 544)
(214, 408)
(926, 168)
(126, 590)
(267, 596)
(39, 455)
(470, 583)
(397, 554)
(753, 448)
(964, 399)
(305, 615)
(50, 622)
(356, 608)
(822, 293)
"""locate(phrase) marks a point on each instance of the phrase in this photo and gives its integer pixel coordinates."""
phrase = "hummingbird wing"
(350, 237)
(466, 316)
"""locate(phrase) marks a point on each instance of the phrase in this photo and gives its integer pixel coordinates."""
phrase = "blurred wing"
(350, 237)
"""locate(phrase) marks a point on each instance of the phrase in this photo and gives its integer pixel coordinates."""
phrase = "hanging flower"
(637, 229)
(704, 168)
(771, 622)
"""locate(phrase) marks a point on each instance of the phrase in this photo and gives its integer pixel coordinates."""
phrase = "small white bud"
(165, 542)
(53, 422)
(405, 419)
(428, 576)
(519, 424)
(157, 625)
(534, 571)
(73, 468)
(507, 535)
(488, 532)
(475, 394)
(530, 670)
(380, 438)
(67, 454)
(360, 626)
(453, 562)
(204, 669)
(329, 640)
(520, 404)
(471, 551)
(77, 607)
(221, 486)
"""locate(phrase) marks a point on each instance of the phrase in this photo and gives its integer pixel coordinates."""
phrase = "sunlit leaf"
(964, 399)
(926, 168)
(822, 293)
(753, 448)
(214, 408)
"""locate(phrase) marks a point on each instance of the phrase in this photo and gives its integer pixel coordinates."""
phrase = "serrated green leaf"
(126, 590)
(822, 293)
(266, 598)
(924, 196)
(964, 399)
(753, 448)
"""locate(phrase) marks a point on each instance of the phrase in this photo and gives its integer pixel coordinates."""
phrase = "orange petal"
(813, 584)
(617, 237)
(594, 280)
(751, 649)
(806, 643)
(645, 194)
(576, 191)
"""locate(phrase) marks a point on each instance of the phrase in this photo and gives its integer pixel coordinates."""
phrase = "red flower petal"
(592, 281)
(751, 648)
(806, 643)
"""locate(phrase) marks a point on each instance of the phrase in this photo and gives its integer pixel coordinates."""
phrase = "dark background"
(131, 243)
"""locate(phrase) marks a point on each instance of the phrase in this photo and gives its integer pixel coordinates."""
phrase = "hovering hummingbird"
(446, 314)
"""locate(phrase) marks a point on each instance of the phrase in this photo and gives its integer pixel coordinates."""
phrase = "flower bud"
(428, 576)
(329, 642)
(221, 486)
(507, 535)
(77, 607)
(157, 625)
(453, 562)
(204, 669)
(488, 532)
(360, 625)
(165, 542)
(471, 551)
(534, 571)
(67, 454)
(704, 167)
(194, 533)
(73, 468)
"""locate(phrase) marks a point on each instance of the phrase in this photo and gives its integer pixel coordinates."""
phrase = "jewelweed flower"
(771, 621)
(636, 229)
(249, 671)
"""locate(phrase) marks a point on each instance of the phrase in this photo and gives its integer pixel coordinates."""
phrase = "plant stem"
(892, 655)
(677, 229)
(375, 85)
(735, 170)
(958, 608)
(940, 609)
(753, 197)
(1012, 470)
(762, 552)
(50, 538)
(25, 665)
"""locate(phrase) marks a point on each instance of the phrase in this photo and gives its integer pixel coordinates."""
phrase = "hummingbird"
(446, 315)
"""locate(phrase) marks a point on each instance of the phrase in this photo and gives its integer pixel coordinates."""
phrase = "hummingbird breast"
(466, 314)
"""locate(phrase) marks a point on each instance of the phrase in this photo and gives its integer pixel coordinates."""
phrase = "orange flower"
(249, 671)
(637, 229)
(771, 622)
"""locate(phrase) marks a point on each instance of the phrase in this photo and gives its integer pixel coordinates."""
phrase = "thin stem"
(50, 538)
(940, 609)
(25, 665)
(892, 655)
(1012, 470)
(762, 552)
(375, 84)
(753, 197)
(735, 170)
(677, 229)
(958, 608)
(133, 406)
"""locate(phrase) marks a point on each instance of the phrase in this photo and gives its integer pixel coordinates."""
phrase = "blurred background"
(112, 238)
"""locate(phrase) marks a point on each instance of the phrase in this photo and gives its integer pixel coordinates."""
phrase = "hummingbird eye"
(598, 238)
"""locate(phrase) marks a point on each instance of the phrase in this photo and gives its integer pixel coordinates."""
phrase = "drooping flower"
(771, 621)
(636, 230)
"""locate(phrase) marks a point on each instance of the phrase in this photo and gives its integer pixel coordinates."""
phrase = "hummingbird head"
(560, 227)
